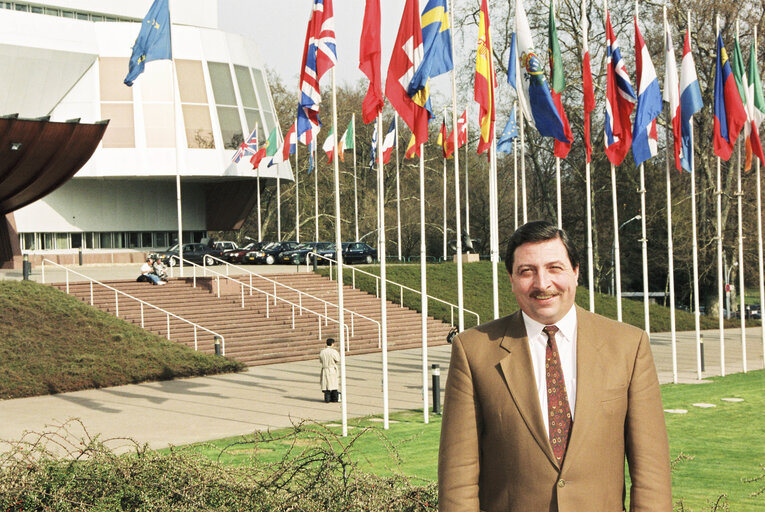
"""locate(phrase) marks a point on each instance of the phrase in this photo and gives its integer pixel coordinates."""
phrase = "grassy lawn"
(477, 283)
(715, 448)
(51, 342)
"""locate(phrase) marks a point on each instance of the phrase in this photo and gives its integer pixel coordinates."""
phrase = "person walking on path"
(329, 358)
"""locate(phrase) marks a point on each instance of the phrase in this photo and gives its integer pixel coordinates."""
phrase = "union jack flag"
(248, 147)
(319, 56)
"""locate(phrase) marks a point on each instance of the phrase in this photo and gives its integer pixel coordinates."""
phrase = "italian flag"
(755, 110)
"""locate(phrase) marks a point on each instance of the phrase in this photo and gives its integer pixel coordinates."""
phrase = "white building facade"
(68, 59)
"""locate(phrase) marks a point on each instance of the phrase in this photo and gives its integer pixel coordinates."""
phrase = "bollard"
(217, 346)
(315, 261)
(436, 388)
(26, 267)
(79, 254)
(701, 351)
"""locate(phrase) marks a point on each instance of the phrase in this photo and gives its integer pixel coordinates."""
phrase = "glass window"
(132, 240)
(120, 133)
(112, 71)
(230, 127)
(36, 9)
(76, 240)
(46, 241)
(146, 240)
(96, 17)
(269, 122)
(262, 86)
(160, 239)
(158, 121)
(91, 240)
(119, 240)
(198, 126)
(246, 91)
(106, 241)
(252, 117)
(52, 12)
(67, 14)
(222, 85)
(191, 82)
(156, 85)
(82, 16)
(22, 7)
(28, 242)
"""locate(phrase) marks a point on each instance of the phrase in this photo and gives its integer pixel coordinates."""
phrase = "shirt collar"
(566, 325)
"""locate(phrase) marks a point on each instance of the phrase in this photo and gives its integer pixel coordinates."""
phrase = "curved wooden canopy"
(37, 156)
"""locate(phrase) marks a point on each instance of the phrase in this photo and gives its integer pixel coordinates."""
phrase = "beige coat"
(329, 358)
(495, 454)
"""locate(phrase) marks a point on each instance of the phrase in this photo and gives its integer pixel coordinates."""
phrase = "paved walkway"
(199, 409)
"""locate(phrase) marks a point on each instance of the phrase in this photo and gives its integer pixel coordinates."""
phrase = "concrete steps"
(256, 329)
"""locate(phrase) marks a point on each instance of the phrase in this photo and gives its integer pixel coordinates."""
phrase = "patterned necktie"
(558, 411)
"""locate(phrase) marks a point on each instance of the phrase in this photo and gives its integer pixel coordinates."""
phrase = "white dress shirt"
(565, 339)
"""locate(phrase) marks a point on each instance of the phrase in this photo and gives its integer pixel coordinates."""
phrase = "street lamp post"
(613, 257)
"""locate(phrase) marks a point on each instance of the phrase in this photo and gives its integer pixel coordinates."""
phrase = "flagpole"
(759, 235)
(315, 149)
(297, 187)
(515, 172)
(718, 193)
(588, 181)
(617, 255)
(424, 288)
(670, 246)
(467, 188)
(494, 225)
(739, 196)
(257, 174)
(523, 166)
(558, 193)
(398, 191)
(176, 92)
(383, 279)
(644, 247)
(443, 155)
(339, 256)
(457, 215)
(355, 183)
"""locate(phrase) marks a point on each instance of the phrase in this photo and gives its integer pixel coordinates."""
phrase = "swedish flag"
(153, 41)
(437, 51)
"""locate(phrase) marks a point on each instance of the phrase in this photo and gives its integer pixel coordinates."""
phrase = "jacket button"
(561, 483)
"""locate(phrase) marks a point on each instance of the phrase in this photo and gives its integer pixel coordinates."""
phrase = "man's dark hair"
(539, 231)
(330, 341)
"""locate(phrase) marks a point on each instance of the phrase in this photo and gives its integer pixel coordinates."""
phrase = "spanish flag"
(485, 81)
(412, 149)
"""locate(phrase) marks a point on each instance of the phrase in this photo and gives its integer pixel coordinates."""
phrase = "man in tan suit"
(543, 405)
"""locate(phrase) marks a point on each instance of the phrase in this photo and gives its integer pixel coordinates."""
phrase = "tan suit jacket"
(495, 454)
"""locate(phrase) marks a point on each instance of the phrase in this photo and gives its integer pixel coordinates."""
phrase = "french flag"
(620, 100)
(649, 105)
(690, 102)
(389, 141)
(672, 90)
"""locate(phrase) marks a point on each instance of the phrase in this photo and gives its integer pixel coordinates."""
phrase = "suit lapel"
(589, 374)
(519, 376)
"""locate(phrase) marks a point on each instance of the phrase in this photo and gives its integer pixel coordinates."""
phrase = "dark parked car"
(358, 252)
(298, 255)
(269, 254)
(238, 255)
(195, 253)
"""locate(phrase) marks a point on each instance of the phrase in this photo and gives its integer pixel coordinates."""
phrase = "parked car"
(269, 254)
(238, 255)
(301, 254)
(195, 253)
(225, 245)
(358, 252)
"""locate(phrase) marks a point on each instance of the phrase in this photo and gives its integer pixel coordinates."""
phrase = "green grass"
(477, 283)
(51, 343)
(715, 448)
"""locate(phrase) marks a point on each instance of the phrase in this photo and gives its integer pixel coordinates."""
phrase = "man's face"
(543, 281)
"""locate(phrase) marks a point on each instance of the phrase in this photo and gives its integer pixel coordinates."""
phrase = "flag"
(271, 143)
(329, 145)
(755, 106)
(412, 149)
(437, 51)
(389, 141)
(319, 56)
(405, 60)
(505, 144)
(288, 147)
(346, 141)
(512, 64)
(153, 41)
(739, 74)
(557, 86)
(729, 112)
(690, 101)
(672, 91)
(373, 151)
(533, 92)
(259, 156)
(644, 136)
(461, 134)
(311, 145)
(485, 81)
(369, 61)
(587, 90)
(442, 139)
(620, 100)
(248, 147)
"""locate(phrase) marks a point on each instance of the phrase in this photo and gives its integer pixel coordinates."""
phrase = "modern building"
(67, 59)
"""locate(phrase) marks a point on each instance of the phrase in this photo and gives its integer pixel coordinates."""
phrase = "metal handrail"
(300, 295)
(300, 306)
(142, 302)
(401, 288)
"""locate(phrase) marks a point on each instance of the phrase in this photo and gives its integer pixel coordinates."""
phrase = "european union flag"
(153, 42)
(505, 144)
